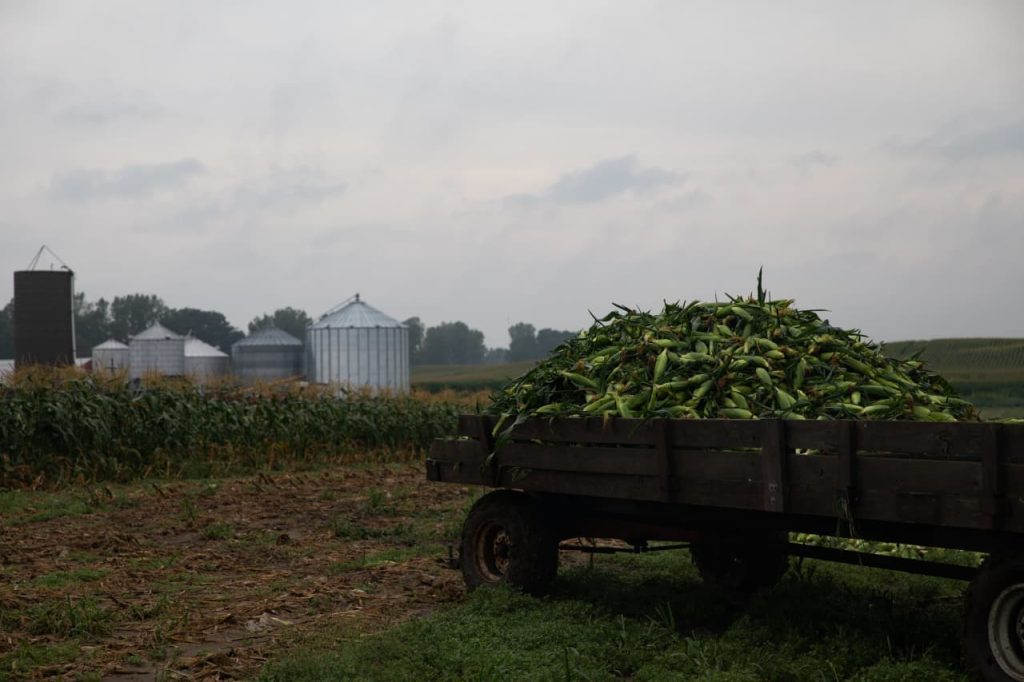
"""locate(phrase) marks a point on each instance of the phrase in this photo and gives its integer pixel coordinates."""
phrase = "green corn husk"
(751, 356)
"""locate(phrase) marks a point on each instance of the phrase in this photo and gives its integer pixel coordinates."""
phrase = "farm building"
(267, 354)
(156, 350)
(357, 345)
(203, 361)
(110, 356)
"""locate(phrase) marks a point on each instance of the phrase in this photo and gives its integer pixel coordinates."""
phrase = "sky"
(497, 162)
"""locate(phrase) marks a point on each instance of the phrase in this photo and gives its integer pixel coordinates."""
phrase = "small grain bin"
(358, 345)
(267, 354)
(158, 350)
(110, 356)
(203, 361)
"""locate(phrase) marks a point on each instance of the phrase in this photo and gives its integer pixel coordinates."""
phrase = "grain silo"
(110, 356)
(203, 361)
(267, 354)
(158, 350)
(358, 345)
(44, 318)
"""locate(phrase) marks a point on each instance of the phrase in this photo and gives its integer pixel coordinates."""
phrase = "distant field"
(469, 377)
(989, 372)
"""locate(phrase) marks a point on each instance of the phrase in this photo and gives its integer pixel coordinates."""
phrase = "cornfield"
(60, 426)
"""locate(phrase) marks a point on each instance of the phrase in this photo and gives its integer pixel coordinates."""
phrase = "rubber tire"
(741, 564)
(530, 558)
(996, 574)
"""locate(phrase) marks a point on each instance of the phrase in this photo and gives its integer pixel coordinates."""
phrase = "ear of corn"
(746, 358)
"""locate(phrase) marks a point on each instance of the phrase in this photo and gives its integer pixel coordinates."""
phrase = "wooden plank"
(715, 434)
(593, 431)
(773, 465)
(455, 472)
(470, 424)
(919, 476)
(663, 450)
(573, 458)
(959, 440)
(846, 474)
(467, 451)
(992, 477)
(812, 485)
(1013, 442)
(719, 493)
(697, 465)
(812, 435)
(620, 487)
(922, 508)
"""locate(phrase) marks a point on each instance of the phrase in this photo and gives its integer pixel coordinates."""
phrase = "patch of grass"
(63, 578)
(380, 502)
(649, 618)
(394, 555)
(18, 507)
(218, 530)
(27, 656)
(69, 617)
(327, 496)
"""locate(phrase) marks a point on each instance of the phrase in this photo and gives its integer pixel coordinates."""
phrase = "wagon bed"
(733, 490)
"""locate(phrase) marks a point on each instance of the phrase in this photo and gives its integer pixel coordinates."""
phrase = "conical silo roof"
(268, 336)
(356, 314)
(155, 333)
(111, 344)
(197, 348)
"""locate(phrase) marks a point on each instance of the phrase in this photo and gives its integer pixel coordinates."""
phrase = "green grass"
(467, 377)
(649, 618)
(27, 656)
(65, 578)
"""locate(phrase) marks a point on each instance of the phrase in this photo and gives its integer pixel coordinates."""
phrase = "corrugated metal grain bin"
(157, 349)
(359, 346)
(110, 356)
(44, 318)
(203, 361)
(269, 354)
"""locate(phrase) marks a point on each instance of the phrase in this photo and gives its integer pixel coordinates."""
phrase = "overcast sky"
(495, 162)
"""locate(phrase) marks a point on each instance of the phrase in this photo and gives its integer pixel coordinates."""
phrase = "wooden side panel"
(573, 458)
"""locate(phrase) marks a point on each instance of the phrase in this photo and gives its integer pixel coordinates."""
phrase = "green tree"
(208, 325)
(291, 320)
(452, 343)
(549, 339)
(523, 342)
(415, 327)
(133, 313)
(92, 324)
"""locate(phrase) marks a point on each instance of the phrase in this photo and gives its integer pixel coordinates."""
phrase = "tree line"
(448, 343)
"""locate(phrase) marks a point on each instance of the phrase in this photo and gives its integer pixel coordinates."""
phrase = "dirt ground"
(198, 580)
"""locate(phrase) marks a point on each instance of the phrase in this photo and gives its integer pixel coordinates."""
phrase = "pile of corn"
(741, 359)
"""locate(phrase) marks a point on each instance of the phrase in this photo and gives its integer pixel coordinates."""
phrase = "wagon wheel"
(741, 563)
(505, 540)
(993, 636)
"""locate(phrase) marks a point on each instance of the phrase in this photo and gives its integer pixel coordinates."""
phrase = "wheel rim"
(493, 552)
(1006, 631)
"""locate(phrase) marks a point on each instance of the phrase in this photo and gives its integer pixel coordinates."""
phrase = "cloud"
(601, 181)
(102, 113)
(809, 160)
(278, 190)
(289, 188)
(956, 144)
(143, 180)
